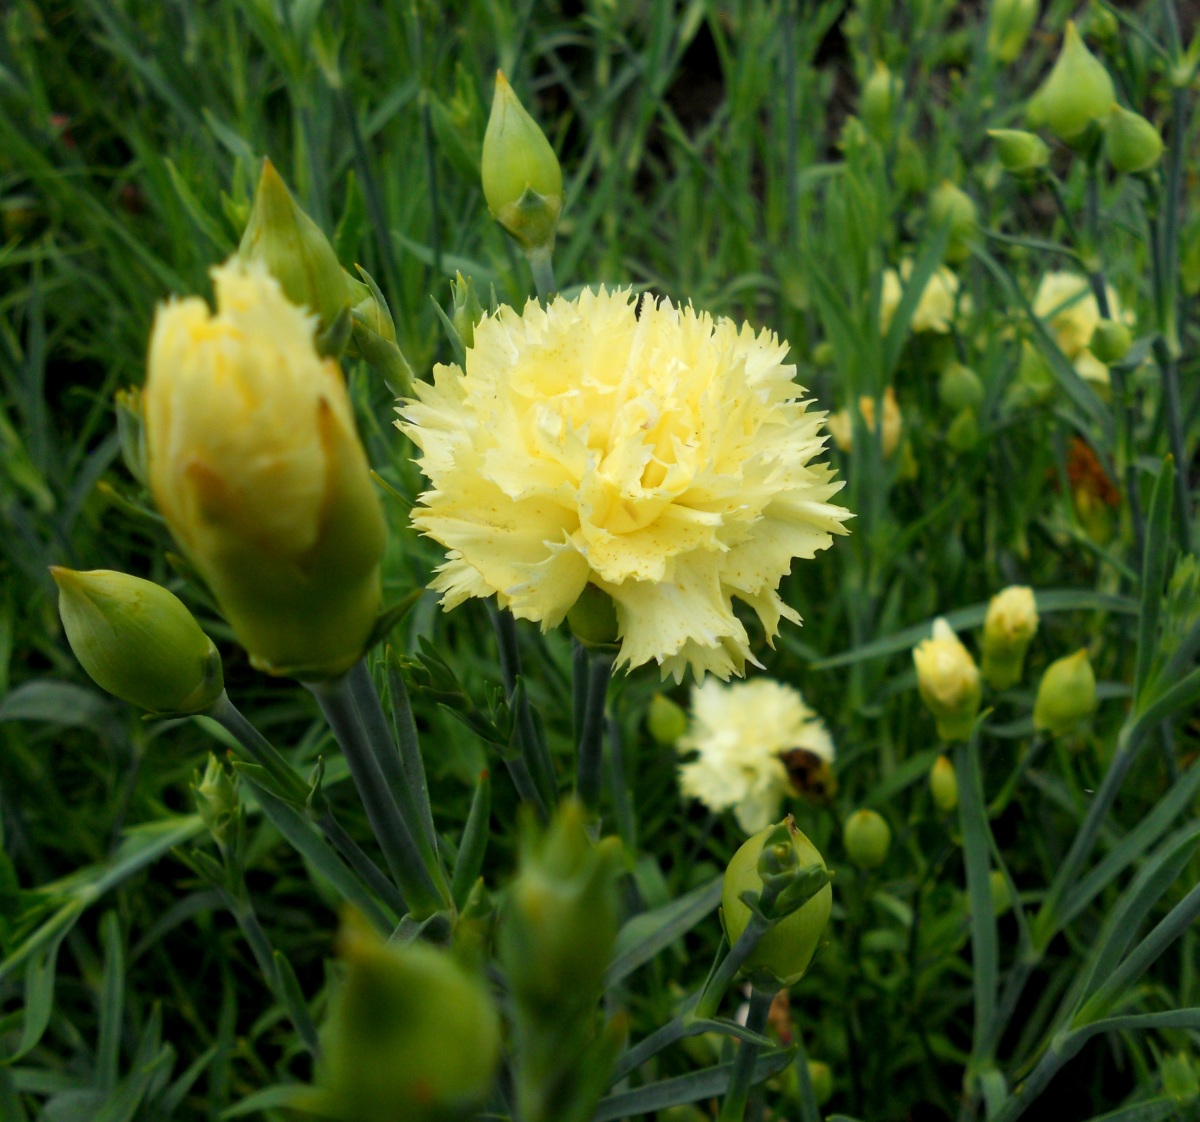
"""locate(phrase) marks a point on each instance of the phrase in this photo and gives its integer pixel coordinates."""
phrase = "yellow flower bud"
(1008, 629)
(879, 95)
(522, 180)
(867, 838)
(1077, 92)
(255, 464)
(948, 681)
(411, 1035)
(1131, 143)
(1021, 153)
(786, 949)
(295, 251)
(841, 426)
(1009, 25)
(137, 641)
(1066, 694)
(943, 785)
(951, 206)
(935, 306)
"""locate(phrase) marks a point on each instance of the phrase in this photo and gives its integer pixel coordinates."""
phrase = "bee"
(809, 774)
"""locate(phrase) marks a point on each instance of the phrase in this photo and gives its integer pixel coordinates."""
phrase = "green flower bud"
(297, 254)
(1009, 25)
(1008, 629)
(867, 838)
(217, 802)
(820, 1077)
(912, 171)
(948, 205)
(522, 180)
(1001, 898)
(943, 785)
(963, 433)
(593, 618)
(1100, 25)
(466, 309)
(880, 93)
(1110, 341)
(823, 353)
(948, 681)
(787, 947)
(137, 641)
(1066, 694)
(959, 388)
(559, 921)
(666, 721)
(1021, 153)
(1077, 92)
(411, 1035)
(1131, 143)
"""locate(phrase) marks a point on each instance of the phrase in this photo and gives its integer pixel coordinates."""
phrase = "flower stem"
(597, 666)
(542, 268)
(395, 838)
(733, 1109)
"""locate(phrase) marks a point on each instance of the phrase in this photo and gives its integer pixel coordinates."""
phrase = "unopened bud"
(137, 641)
(963, 432)
(1020, 152)
(879, 95)
(912, 169)
(1077, 92)
(953, 207)
(1067, 693)
(217, 801)
(820, 1078)
(666, 721)
(948, 681)
(466, 309)
(786, 949)
(959, 388)
(1131, 143)
(1008, 629)
(943, 785)
(1110, 341)
(867, 838)
(1009, 25)
(522, 179)
(1001, 897)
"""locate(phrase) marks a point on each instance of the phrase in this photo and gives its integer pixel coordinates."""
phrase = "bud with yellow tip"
(295, 250)
(867, 838)
(943, 785)
(255, 463)
(522, 179)
(1066, 693)
(1008, 629)
(412, 1034)
(138, 641)
(948, 681)
(1076, 93)
(1131, 143)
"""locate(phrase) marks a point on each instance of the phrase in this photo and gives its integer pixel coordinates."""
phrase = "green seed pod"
(1131, 143)
(786, 949)
(296, 252)
(666, 721)
(137, 641)
(1020, 152)
(959, 388)
(949, 205)
(1110, 341)
(1009, 25)
(1066, 694)
(1077, 92)
(943, 785)
(522, 179)
(867, 838)
(411, 1035)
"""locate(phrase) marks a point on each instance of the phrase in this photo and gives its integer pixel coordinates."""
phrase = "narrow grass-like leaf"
(112, 1001)
(474, 841)
(1154, 575)
(295, 1003)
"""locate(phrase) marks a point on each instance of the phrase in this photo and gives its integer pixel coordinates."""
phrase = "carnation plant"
(635, 563)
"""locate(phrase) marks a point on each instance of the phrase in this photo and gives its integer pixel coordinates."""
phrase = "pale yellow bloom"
(737, 733)
(935, 308)
(664, 459)
(841, 427)
(1072, 325)
(255, 464)
(948, 680)
(1008, 629)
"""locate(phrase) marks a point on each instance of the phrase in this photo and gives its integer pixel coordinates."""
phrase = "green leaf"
(642, 937)
(473, 846)
(1154, 576)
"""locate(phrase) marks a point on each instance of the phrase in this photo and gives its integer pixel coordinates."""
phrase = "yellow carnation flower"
(1068, 305)
(738, 733)
(935, 308)
(665, 459)
(255, 464)
(841, 424)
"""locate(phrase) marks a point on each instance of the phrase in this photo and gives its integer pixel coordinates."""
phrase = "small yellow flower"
(935, 309)
(255, 464)
(738, 733)
(1011, 623)
(664, 459)
(841, 427)
(948, 680)
(1068, 305)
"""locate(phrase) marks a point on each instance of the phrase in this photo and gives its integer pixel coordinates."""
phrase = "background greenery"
(710, 155)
